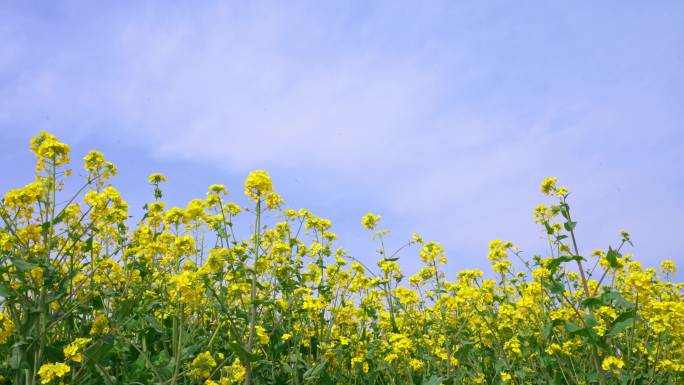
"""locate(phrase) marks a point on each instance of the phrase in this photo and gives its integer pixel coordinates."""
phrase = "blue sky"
(443, 117)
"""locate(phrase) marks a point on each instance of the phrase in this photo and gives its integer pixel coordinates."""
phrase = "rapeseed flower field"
(89, 297)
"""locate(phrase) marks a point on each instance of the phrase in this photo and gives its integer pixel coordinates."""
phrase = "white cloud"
(455, 147)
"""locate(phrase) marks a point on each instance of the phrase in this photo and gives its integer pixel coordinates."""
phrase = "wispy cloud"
(446, 117)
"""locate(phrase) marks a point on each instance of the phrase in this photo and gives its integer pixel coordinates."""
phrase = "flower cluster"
(211, 293)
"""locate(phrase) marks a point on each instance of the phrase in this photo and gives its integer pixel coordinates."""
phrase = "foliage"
(180, 299)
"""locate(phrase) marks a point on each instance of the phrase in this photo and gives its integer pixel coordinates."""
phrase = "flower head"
(370, 221)
(48, 149)
(613, 364)
(49, 372)
(6, 328)
(73, 350)
(258, 184)
(202, 365)
(668, 267)
(548, 185)
(157, 178)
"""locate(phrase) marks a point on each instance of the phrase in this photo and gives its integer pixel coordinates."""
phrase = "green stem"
(252, 309)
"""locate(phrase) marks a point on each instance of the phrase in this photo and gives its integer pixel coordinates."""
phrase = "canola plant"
(88, 296)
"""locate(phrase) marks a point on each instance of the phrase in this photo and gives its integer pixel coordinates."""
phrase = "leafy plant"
(180, 298)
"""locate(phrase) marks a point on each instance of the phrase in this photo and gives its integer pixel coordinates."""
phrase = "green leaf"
(154, 323)
(4, 291)
(590, 321)
(549, 230)
(622, 322)
(612, 258)
(554, 286)
(593, 302)
(88, 245)
(577, 330)
(617, 297)
(47, 224)
(546, 331)
(222, 233)
(22, 265)
(287, 368)
(99, 350)
(569, 225)
(166, 364)
(52, 297)
(314, 372)
(434, 380)
(564, 211)
(572, 327)
(15, 359)
(555, 262)
(244, 355)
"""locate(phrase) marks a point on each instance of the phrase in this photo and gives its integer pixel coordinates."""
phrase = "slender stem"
(178, 346)
(585, 285)
(579, 263)
(252, 309)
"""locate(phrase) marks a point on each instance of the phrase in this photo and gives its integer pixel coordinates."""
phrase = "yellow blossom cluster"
(50, 371)
(218, 292)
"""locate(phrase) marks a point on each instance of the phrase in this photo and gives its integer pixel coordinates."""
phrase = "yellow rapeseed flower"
(49, 150)
(668, 267)
(157, 178)
(612, 364)
(100, 324)
(49, 372)
(202, 365)
(258, 184)
(548, 185)
(73, 350)
(236, 372)
(6, 328)
(370, 221)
